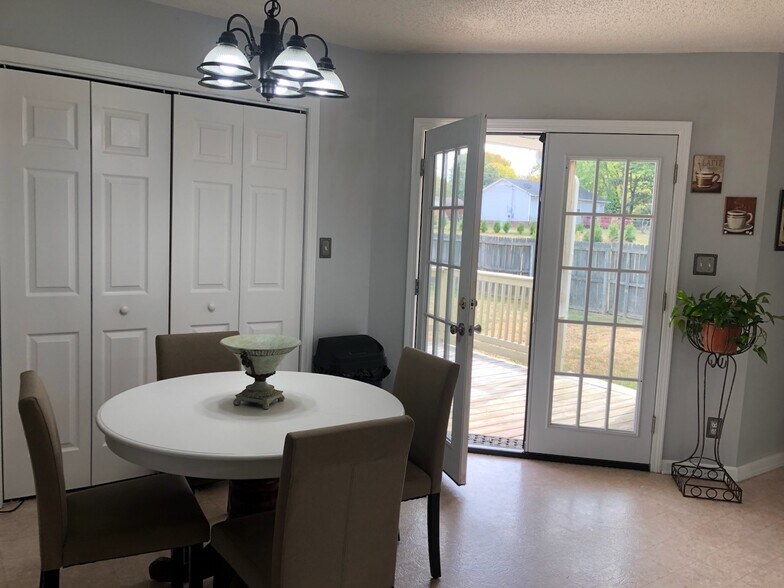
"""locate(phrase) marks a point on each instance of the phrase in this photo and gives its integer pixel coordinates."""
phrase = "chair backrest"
(193, 353)
(338, 505)
(43, 442)
(425, 385)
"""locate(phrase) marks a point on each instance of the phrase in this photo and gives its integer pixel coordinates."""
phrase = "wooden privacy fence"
(511, 255)
(504, 288)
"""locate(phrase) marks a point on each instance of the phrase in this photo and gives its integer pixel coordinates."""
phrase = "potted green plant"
(725, 321)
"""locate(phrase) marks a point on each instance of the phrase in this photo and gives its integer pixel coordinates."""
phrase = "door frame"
(682, 129)
(100, 71)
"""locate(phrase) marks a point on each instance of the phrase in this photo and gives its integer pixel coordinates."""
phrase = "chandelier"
(288, 72)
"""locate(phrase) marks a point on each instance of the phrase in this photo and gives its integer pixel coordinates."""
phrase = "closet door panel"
(45, 264)
(206, 208)
(131, 136)
(273, 209)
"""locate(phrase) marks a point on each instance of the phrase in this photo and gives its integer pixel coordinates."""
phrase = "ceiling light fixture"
(288, 72)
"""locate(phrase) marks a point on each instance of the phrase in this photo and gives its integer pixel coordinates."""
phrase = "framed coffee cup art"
(739, 215)
(780, 224)
(707, 173)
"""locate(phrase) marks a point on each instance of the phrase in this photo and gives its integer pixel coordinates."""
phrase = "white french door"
(604, 230)
(449, 245)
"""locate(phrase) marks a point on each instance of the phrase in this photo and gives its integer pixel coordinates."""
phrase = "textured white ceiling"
(527, 26)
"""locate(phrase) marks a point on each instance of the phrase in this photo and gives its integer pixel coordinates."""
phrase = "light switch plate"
(325, 247)
(705, 264)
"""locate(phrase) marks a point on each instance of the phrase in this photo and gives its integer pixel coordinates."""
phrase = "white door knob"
(124, 310)
(211, 307)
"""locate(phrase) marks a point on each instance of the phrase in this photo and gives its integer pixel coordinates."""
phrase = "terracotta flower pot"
(720, 340)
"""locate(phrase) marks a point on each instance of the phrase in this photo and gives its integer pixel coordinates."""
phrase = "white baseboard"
(744, 472)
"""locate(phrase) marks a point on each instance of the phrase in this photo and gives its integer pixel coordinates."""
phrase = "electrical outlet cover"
(705, 264)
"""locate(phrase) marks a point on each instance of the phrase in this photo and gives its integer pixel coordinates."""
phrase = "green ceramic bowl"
(264, 352)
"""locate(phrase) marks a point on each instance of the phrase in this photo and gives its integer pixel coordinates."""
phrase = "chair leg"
(49, 579)
(223, 572)
(433, 539)
(195, 572)
(178, 564)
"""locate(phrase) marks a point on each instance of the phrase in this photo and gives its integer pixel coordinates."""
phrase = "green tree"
(613, 232)
(496, 167)
(496, 227)
(630, 234)
(520, 229)
(639, 193)
(506, 227)
(483, 227)
(534, 227)
(598, 234)
(610, 184)
(586, 236)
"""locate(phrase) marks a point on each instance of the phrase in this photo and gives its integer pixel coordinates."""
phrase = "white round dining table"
(190, 426)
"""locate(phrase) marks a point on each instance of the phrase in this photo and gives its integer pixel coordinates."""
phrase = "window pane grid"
(616, 277)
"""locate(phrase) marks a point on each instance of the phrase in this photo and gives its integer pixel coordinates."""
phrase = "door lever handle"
(458, 329)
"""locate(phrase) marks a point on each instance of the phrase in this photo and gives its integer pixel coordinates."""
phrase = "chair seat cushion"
(246, 545)
(417, 483)
(132, 517)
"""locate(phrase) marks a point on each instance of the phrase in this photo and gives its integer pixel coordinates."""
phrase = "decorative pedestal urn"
(260, 356)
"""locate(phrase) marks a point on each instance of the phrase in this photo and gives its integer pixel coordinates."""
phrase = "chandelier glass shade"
(283, 72)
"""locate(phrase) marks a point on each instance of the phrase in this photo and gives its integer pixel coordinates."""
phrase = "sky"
(523, 159)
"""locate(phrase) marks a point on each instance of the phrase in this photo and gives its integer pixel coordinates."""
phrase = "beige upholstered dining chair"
(425, 385)
(187, 354)
(337, 514)
(106, 522)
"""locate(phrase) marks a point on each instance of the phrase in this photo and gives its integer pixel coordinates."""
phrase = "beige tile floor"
(523, 523)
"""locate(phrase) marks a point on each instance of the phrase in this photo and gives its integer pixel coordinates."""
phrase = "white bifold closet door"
(238, 206)
(273, 205)
(131, 154)
(206, 204)
(45, 264)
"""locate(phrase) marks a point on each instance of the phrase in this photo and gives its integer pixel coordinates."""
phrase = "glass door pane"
(607, 221)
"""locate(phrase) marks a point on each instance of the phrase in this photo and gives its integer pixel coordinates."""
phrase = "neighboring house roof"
(532, 187)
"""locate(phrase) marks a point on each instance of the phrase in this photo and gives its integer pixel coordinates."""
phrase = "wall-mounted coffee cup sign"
(706, 178)
(739, 215)
(707, 173)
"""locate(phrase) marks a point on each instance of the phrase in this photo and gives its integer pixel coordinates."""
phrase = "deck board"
(498, 395)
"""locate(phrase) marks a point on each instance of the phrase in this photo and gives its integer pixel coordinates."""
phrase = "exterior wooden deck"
(498, 395)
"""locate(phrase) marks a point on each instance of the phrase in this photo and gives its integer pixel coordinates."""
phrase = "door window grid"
(625, 215)
(448, 199)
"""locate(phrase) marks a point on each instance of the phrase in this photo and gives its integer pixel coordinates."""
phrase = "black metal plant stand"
(702, 475)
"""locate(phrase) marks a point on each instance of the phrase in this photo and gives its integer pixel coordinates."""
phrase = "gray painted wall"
(151, 36)
(729, 98)
(365, 151)
(762, 424)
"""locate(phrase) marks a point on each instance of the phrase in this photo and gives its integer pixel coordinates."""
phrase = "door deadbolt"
(458, 329)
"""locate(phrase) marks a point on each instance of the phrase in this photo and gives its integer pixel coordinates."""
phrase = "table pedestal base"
(246, 497)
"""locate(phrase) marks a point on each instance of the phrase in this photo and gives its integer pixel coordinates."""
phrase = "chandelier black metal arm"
(285, 72)
(244, 18)
(323, 42)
